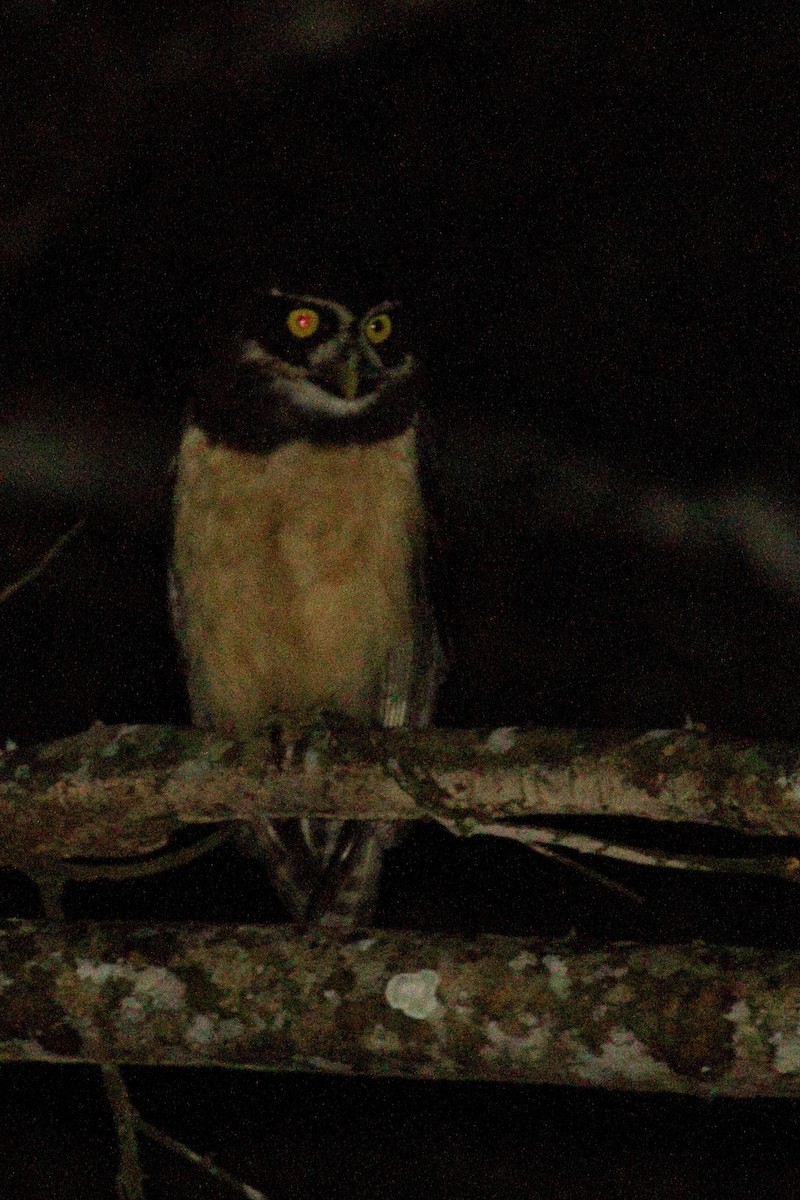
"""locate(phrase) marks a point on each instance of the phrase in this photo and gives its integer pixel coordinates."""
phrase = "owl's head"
(306, 368)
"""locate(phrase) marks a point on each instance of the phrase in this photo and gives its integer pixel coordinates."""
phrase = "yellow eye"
(378, 328)
(302, 322)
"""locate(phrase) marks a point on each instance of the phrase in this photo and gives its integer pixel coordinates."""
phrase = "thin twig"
(201, 1161)
(88, 870)
(129, 1121)
(598, 877)
(536, 837)
(43, 562)
(129, 1181)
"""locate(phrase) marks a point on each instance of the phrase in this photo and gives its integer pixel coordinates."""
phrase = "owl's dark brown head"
(306, 368)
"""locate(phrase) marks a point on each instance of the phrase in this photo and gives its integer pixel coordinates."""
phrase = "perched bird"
(298, 576)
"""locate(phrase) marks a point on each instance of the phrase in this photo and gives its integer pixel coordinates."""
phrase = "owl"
(298, 572)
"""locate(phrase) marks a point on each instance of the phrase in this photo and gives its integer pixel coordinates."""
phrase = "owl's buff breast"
(293, 574)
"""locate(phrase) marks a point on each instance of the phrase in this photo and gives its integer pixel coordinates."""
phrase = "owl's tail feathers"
(291, 865)
(348, 887)
(324, 872)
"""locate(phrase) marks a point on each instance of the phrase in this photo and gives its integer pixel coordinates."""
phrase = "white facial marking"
(312, 398)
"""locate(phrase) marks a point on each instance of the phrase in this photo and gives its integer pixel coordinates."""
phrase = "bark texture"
(120, 791)
(698, 1020)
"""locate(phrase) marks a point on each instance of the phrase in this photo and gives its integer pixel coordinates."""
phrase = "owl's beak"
(349, 381)
(343, 375)
(348, 376)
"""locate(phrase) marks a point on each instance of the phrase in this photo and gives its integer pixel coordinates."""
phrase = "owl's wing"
(348, 887)
(176, 607)
(415, 669)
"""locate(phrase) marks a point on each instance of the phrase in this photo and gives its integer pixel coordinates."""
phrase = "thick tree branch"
(120, 791)
(695, 1019)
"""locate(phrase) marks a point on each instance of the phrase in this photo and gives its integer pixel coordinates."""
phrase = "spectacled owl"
(298, 574)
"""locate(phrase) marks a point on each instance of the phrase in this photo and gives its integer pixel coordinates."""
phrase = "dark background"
(591, 212)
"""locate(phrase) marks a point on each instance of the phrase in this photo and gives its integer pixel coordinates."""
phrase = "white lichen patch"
(311, 761)
(532, 1044)
(500, 740)
(622, 1056)
(5, 981)
(791, 786)
(414, 993)
(523, 960)
(200, 1030)
(158, 988)
(747, 1037)
(94, 971)
(604, 971)
(153, 989)
(739, 1013)
(333, 997)
(193, 768)
(787, 1051)
(559, 980)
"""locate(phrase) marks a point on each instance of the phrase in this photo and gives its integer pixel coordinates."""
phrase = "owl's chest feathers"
(294, 571)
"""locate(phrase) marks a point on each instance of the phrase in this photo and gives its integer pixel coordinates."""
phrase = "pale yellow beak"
(343, 375)
(349, 376)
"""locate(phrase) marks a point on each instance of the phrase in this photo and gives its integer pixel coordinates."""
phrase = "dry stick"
(43, 562)
(573, 865)
(782, 866)
(51, 876)
(202, 1161)
(129, 1180)
(127, 1119)
(543, 839)
(88, 870)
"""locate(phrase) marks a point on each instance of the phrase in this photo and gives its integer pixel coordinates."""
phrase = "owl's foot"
(325, 871)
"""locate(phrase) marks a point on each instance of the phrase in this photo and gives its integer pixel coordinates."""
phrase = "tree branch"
(694, 1019)
(35, 571)
(120, 791)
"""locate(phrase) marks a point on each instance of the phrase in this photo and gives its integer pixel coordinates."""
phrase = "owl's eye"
(378, 328)
(302, 322)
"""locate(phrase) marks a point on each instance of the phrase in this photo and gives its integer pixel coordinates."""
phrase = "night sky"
(590, 212)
